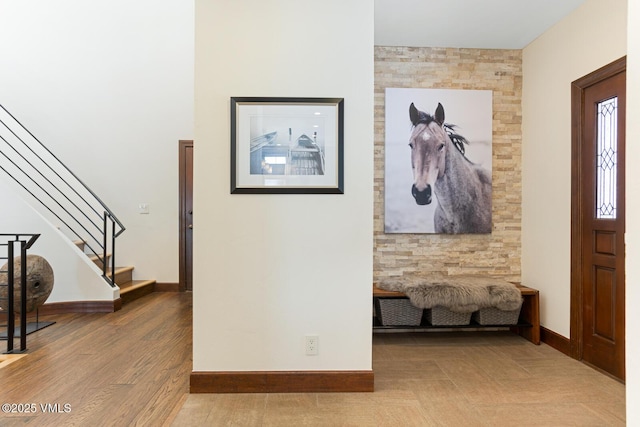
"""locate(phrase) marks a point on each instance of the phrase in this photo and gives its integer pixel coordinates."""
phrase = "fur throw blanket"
(462, 294)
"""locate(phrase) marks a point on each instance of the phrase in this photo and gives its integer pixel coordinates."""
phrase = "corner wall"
(269, 269)
(632, 237)
(591, 37)
(500, 71)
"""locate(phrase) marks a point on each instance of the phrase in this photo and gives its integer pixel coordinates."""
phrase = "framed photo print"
(438, 161)
(287, 145)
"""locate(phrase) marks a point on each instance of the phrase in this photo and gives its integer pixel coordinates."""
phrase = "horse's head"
(428, 144)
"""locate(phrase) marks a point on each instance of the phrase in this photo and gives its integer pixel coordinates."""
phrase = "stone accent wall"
(446, 68)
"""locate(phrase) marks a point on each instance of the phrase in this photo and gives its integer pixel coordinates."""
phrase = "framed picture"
(287, 145)
(438, 161)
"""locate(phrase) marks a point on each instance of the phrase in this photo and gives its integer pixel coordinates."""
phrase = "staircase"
(64, 200)
(130, 289)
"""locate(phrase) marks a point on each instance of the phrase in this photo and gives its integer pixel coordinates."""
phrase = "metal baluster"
(23, 296)
(11, 321)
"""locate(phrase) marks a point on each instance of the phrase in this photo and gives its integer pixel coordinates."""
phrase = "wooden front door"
(598, 219)
(185, 159)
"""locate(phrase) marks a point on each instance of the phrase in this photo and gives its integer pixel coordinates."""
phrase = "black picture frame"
(287, 145)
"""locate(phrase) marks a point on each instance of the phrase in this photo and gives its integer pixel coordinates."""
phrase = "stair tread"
(120, 269)
(135, 284)
(94, 257)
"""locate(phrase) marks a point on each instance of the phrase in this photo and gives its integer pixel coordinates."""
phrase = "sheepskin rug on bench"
(462, 294)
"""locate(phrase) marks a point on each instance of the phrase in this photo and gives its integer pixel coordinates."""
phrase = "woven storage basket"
(397, 312)
(495, 316)
(442, 316)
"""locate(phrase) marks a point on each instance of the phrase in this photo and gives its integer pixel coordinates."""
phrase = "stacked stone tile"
(500, 71)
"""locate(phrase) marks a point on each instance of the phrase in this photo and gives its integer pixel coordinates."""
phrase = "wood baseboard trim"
(166, 287)
(555, 340)
(282, 382)
(81, 307)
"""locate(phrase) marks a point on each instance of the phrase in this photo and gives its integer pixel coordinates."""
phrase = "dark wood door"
(186, 214)
(601, 208)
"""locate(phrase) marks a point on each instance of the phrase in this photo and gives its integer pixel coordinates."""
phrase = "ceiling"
(482, 24)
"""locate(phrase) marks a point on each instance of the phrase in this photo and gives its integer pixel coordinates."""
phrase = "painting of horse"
(440, 169)
(437, 175)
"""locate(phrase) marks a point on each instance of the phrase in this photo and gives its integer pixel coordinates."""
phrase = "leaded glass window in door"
(606, 158)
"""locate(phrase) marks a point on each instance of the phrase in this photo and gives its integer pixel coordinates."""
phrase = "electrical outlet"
(311, 345)
(143, 208)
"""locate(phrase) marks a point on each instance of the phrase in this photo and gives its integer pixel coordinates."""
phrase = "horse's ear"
(414, 115)
(440, 114)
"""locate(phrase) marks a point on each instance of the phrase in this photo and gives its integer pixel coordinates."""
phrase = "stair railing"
(8, 243)
(66, 200)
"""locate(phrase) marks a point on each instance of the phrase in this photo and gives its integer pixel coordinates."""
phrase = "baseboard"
(555, 340)
(81, 307)
(282, 382)
(166, 287)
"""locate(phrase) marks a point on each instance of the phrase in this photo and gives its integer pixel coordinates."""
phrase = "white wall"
(269, 269)
(591, 37)
(108, 87)
(632, 237)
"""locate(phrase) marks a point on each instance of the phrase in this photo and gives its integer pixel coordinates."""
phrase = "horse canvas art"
(449, 191)
(440, 168)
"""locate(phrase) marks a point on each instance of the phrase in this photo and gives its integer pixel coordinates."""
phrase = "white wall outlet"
(311, 345)
(143, 208)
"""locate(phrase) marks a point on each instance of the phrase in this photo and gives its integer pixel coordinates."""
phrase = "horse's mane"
(457, 139)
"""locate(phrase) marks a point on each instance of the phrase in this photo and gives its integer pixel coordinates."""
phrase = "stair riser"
(99, 263)
(134, 294)
(123, 276)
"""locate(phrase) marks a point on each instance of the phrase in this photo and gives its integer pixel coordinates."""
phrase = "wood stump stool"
(39, 283)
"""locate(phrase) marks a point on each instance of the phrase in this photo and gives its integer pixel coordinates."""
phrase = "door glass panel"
(606, 164)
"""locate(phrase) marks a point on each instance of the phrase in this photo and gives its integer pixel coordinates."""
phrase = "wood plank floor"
(132, 368)
(125, 368)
